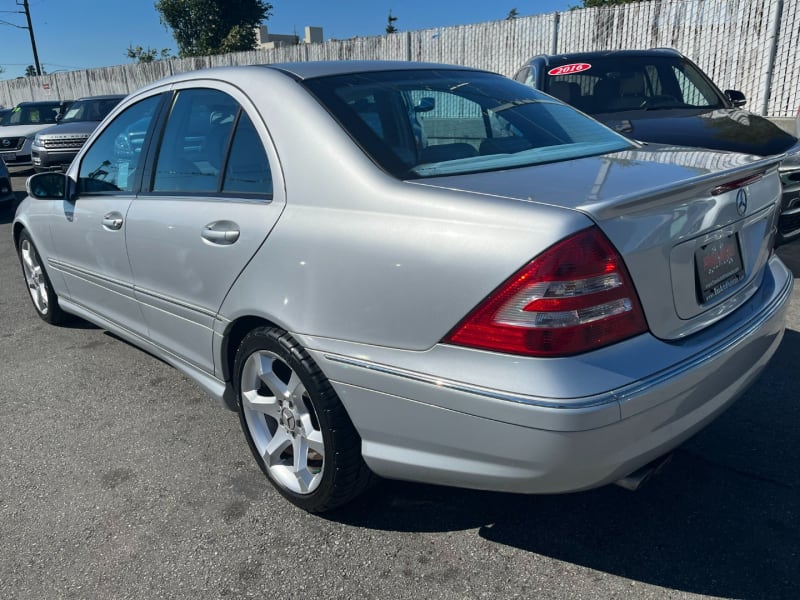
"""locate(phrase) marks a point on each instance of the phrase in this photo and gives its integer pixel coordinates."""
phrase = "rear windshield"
(611, 84)
(424, 123)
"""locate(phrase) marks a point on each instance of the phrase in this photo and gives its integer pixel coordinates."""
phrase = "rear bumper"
(415, 425)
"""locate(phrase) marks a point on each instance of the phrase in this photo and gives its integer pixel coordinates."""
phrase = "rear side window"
(115, 157)
(210, 146)
(195, 141)
(247, 171)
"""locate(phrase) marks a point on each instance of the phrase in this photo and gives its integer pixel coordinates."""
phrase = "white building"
(267, 40)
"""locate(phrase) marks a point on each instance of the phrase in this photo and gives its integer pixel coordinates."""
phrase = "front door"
(89, 231)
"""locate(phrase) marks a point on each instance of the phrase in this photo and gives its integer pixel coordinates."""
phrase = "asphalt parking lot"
(119, 478)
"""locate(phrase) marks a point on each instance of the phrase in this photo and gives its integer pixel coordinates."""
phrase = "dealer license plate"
(719, 267)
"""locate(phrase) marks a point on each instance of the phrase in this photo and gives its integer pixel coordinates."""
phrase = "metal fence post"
(772, 40)
(556, 24)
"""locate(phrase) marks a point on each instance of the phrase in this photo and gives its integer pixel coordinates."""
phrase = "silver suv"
(55, 147)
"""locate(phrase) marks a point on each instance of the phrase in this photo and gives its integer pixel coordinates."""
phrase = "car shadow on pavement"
(722, 519)
(7, 212)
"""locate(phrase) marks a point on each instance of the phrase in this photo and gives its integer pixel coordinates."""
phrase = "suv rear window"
(424, 123)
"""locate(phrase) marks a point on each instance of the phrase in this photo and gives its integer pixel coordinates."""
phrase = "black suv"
(660, 96)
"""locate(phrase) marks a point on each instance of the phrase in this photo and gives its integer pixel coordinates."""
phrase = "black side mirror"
(47, 186)
(736, 97)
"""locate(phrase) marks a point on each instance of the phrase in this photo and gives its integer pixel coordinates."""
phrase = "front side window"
(424, 123)
(116, 155)
(694, 89)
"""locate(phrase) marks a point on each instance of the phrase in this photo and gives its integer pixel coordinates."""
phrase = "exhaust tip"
(635, 480)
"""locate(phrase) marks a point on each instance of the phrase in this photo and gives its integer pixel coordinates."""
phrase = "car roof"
(299, 71)
(311, 69)
(103, 97)
(42, 102)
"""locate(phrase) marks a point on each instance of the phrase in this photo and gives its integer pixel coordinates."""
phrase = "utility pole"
(33, 40)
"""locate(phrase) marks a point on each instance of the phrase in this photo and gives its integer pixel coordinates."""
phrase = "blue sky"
(81, 34)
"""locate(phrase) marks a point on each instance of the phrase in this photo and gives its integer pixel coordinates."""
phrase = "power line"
(27, 13)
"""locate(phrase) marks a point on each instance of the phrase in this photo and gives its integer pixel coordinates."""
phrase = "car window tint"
(655, 87)
(116, 155)
(692, 90)
(647, 83)
(195, 141)
(434, 122)
(89, 110)
(248, 168)
(36, 114)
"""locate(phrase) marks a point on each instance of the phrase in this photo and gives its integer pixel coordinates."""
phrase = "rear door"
(208, 203)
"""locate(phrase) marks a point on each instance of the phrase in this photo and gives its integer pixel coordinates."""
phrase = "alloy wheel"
(282, 422)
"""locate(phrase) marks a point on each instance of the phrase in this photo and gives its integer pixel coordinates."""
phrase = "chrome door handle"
(113, 221)
(221, 232)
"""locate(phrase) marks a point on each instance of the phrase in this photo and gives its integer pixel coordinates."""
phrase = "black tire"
(40, 290)
(295, 424)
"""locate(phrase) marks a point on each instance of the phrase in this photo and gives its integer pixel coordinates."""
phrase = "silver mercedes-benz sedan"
(416, 271)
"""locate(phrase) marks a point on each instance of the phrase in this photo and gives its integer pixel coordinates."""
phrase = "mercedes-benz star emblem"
(741, 202)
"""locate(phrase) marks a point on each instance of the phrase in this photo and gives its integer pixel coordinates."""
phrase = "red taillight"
(574, 297)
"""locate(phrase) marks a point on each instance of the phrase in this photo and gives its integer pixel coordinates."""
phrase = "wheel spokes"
(274, 450)
(34, 276)
(281, 422)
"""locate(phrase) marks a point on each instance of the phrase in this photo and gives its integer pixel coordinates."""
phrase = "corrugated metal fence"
(750, 45)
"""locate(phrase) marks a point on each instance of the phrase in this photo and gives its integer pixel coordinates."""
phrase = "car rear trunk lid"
(695, 228)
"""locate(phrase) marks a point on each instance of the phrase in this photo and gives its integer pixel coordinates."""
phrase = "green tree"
(390, 28)
(512, 14)
(205, 27)
(30, 71)
(148, 55)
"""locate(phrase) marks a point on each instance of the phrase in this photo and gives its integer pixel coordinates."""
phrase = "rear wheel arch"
(235, 332)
